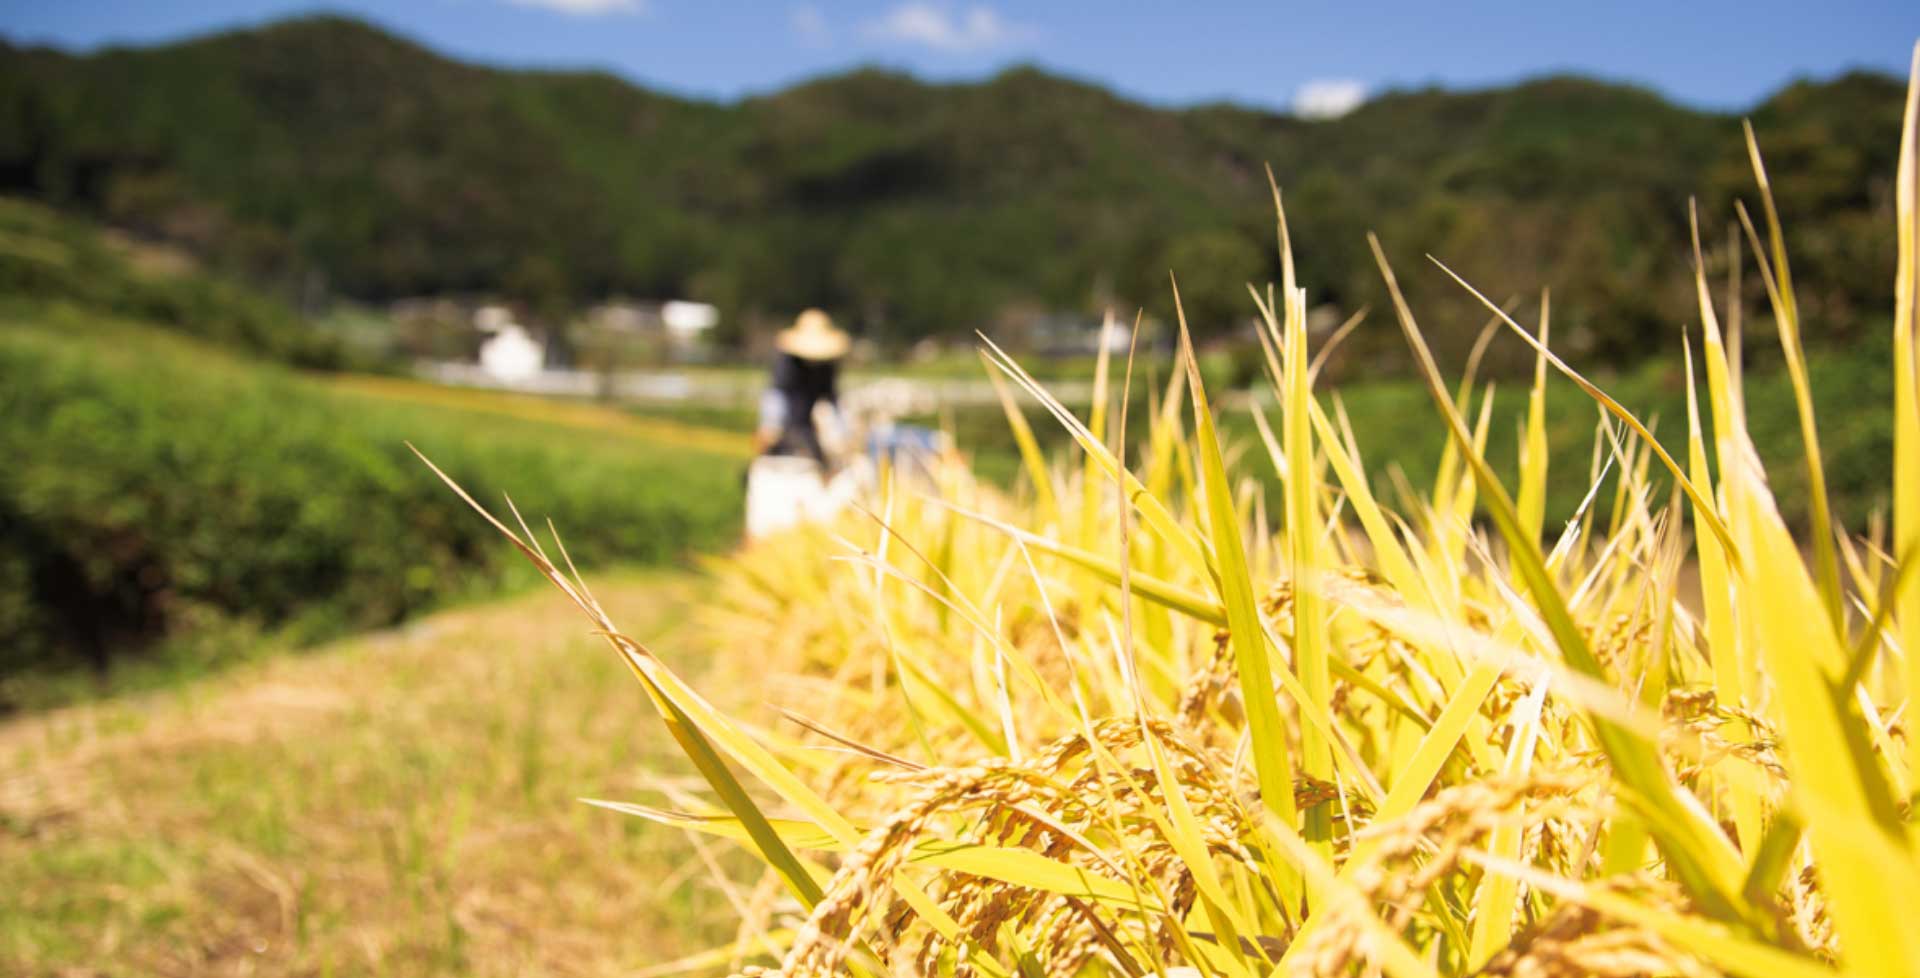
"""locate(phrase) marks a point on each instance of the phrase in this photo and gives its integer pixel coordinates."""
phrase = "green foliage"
(1852, 392)
(322, 150)
(44, 256)
(155, 486)
(1214, 268)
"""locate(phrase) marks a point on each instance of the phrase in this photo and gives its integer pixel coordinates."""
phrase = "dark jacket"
(801, 384)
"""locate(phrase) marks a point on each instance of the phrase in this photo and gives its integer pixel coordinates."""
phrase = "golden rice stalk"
(1118, 725)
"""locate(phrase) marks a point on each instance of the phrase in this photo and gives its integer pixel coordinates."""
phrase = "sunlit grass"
(404, 803)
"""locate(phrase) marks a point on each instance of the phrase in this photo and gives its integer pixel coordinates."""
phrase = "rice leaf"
(1030, 454)
(1906, 392)
(1787, 314)
(1310, 638)
(1705, 862)
(1272, 754)
(1532, 502)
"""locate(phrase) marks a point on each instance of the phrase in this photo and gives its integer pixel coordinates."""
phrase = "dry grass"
(405, 803)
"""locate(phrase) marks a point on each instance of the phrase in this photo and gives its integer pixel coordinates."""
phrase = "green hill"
(47, 257)
(323, 153)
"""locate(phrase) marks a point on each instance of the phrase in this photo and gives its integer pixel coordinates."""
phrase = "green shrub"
(156, 486)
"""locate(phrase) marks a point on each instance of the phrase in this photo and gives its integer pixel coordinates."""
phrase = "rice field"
(1131, 719)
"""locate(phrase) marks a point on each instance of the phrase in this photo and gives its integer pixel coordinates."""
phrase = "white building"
(509, 354)
(687, 323)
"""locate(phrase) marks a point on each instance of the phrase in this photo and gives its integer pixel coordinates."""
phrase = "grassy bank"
(171, 501)
(398, 804)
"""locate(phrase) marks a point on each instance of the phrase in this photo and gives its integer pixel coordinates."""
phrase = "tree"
(1214, 269)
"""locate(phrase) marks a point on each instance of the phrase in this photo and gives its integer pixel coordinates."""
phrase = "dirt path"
(402, 803)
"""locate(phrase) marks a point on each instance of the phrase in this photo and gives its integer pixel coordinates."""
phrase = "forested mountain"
(323, 155)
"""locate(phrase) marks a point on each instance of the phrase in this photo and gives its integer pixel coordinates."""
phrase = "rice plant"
(1127, 721)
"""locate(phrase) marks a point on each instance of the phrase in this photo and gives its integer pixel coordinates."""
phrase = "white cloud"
(1328, 98)
(810, 25)
(948, 29)
(586, 8)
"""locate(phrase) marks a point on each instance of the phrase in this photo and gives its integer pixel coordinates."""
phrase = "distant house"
(509, 354)
(688, 324)
(625, 317)
(1066, 334)
(680, 328)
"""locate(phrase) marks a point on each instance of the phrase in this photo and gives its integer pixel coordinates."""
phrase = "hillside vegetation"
(46, 257)
(323, 154)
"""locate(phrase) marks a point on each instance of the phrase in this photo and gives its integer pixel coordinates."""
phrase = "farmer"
(801, 439)
(806, 372)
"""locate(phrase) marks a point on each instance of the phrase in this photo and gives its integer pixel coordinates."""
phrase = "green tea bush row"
(153, 485)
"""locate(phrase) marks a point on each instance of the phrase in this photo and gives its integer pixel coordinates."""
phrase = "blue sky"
(1315, 56)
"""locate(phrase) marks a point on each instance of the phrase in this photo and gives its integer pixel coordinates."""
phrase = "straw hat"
(812, 337)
